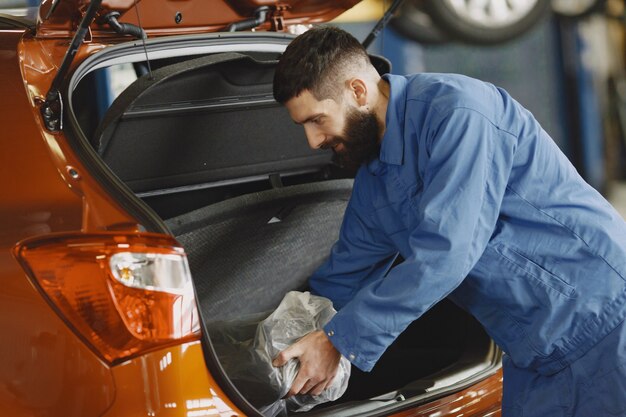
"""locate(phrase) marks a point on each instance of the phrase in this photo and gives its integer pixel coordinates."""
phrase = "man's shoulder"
(436, 95)
(445, 92)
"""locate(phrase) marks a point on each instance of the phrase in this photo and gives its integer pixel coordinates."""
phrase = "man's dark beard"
(359, 140)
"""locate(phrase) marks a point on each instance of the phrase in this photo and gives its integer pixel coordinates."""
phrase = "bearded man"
(461, 181)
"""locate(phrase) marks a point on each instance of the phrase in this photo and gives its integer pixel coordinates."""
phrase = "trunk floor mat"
(245, 253)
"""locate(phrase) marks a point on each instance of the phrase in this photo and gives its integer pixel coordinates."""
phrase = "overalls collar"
(392, 145)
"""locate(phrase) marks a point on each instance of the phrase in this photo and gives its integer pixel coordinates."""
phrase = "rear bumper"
(175, 382)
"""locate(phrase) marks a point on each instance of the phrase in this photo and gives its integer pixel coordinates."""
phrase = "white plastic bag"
(248, 363)
(297, 315)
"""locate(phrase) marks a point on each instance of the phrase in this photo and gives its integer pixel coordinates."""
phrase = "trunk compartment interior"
(205, 146)
(246, 252)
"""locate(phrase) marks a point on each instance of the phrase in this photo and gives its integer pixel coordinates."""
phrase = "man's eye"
(317, 120)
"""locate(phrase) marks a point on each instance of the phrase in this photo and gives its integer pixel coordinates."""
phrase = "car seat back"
(206, 120)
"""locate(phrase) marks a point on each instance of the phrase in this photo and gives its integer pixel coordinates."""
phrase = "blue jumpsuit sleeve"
(465, 177)
(360, 255)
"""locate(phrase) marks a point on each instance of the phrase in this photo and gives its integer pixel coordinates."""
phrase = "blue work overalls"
(486, 210)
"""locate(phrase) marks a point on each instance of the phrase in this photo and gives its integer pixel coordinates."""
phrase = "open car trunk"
(202, 143)
(245, 253)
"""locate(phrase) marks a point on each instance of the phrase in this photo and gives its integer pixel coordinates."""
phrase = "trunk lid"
(84, 21)
(60, 18)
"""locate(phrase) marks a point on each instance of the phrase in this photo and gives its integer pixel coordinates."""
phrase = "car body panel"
(482, 399)
(66, 180)
(44, 369)
(179, 385)
(54, 207)
(159, 17)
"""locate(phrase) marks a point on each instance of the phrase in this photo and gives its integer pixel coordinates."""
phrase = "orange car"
(151, 187)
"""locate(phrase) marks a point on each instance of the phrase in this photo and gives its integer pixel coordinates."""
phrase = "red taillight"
(124, 294)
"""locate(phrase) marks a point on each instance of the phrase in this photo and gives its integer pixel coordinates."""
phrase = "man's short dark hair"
(315, 61)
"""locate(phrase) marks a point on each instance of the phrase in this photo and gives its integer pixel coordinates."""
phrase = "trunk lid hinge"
(52, 107)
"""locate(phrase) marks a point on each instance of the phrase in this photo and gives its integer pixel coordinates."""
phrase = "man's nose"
(314, 137)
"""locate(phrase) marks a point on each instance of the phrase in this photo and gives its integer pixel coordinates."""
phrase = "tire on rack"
(412, 22)
(577, 9)
(494, 22)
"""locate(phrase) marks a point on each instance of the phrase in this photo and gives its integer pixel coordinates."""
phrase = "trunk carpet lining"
(243, 263)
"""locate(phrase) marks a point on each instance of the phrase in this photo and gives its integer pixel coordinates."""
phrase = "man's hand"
(319, 361)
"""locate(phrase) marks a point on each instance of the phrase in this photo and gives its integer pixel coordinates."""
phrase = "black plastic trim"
(222, 183)
(207, 107)
(180, 42)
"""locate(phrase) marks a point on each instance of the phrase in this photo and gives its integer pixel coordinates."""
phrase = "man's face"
(351, 133)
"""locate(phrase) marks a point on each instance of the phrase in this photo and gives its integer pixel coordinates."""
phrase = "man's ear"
(358, 91)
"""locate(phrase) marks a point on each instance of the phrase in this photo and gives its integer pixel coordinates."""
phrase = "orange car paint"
(480, 400)
(171, 382)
